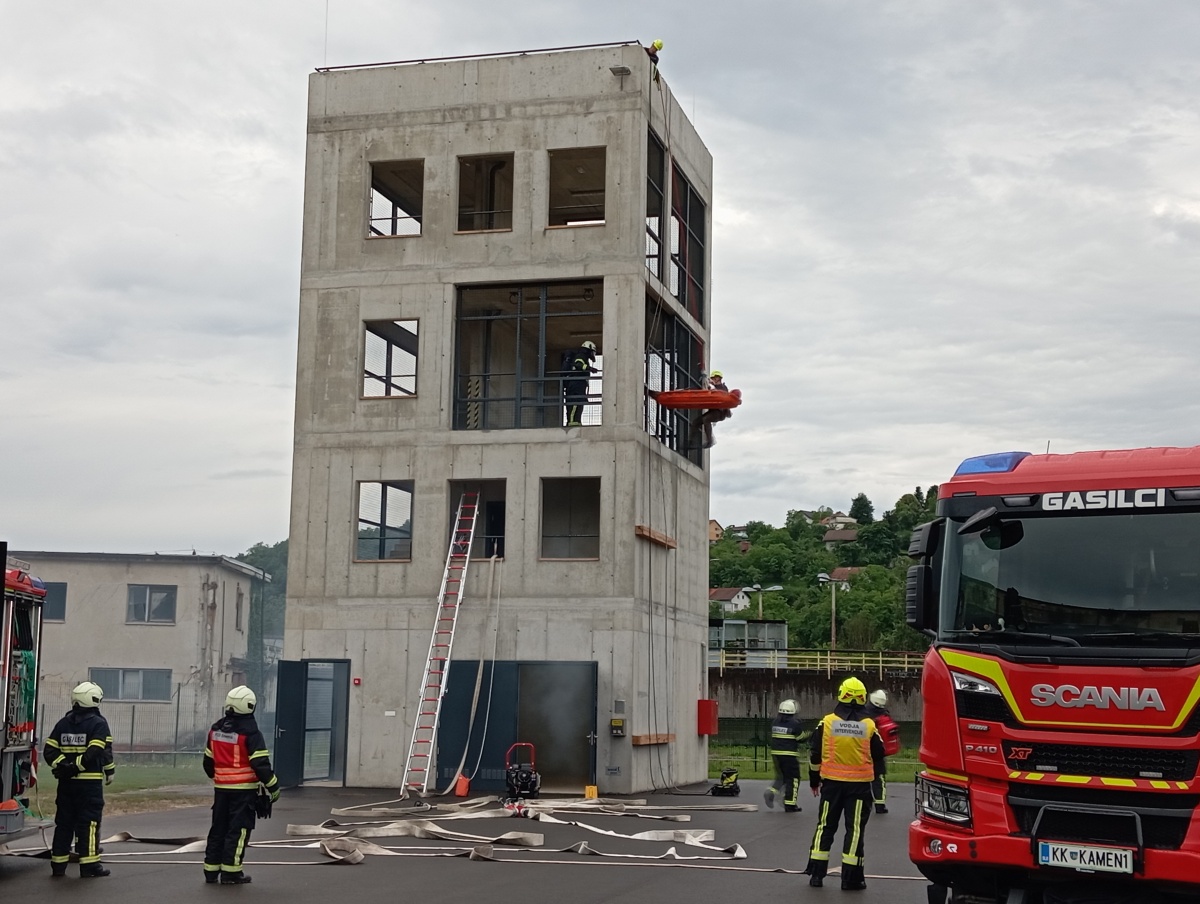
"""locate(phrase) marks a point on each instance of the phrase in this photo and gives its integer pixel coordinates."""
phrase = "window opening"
(485, 193)
(384, 520)
(576, 187)
(389, 359)
(54, 606)
(656, 167)
(489, 524)
(674, 360)
(570, 517)
(150, 603)
(686, 277)
(397, 193)
(237, 611)
(515, 344)
(133, 684)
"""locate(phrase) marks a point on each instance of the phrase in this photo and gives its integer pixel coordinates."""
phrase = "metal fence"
(883, 662)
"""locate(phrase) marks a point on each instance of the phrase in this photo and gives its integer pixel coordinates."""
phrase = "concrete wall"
(754, 693)
(639, 610)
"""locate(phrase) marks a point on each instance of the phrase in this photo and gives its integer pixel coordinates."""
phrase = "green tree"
(267, 609)
(861, 509)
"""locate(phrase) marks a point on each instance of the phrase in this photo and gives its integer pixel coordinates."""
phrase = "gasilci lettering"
(1071, 697)
(1091, 500)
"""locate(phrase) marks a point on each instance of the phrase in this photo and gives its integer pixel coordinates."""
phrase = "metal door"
(556, 713)
(289, 723)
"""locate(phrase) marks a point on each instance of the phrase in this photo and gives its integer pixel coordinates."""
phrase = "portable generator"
(521, 778)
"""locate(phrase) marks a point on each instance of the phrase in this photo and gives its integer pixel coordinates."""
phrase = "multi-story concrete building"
(164, 636)
(468, 225)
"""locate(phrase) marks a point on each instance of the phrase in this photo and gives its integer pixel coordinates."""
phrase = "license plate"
(1085, 857)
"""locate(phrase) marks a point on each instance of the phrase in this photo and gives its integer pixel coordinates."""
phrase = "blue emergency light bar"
(996, 463)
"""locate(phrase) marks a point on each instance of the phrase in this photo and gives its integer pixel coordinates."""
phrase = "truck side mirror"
(920, 607)
(925, 538)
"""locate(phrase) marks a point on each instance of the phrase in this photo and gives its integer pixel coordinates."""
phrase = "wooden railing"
(840, 661)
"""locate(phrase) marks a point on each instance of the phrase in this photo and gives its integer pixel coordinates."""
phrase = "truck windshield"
(1093, 580)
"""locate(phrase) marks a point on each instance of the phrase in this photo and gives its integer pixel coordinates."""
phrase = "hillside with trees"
(870, 612)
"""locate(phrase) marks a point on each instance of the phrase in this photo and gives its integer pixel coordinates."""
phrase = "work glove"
(274, 795)
(108, 779)
(66, 770)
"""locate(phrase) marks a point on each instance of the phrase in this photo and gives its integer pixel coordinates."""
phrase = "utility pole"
(823, 578)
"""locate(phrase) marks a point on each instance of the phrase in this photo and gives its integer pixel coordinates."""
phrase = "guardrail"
(880, 661)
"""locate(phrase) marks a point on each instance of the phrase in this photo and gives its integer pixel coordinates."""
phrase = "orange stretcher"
(697, 398)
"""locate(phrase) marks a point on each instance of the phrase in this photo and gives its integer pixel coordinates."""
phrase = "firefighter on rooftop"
(846, 755)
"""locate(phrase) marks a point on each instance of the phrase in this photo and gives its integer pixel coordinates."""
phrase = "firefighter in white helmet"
(786, 737)
(237, 761)
(79, 751)
(577, 370)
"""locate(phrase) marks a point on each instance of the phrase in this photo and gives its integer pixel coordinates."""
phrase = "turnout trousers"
(853, 801)
(879, 790)
(232, 823)
(787, 779)
(80, 804)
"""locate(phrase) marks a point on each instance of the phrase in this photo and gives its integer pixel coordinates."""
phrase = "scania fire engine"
(20, 644)
(1061, 728)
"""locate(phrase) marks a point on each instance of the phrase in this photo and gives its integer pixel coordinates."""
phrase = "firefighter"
(79, 752)
(716, 381)
(845, 756)
(785, 752)
(889, 733)
(575, 382)
(236, 759)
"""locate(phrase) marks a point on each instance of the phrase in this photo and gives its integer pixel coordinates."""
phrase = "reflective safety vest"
(231, 760)
(846, 749)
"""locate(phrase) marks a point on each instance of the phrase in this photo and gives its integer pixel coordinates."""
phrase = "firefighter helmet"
(657, 44)
(879, 698)
(589, 345)
(788, 707)
(87, 694)
(852, 691)
(715, 375)
(240, 700)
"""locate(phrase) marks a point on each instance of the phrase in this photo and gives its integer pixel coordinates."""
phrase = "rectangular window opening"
(576, 187)
(521, 358)
(150, 604)
(570, 518)
(384, 521)
(238, 605)
(133, 684)
(54, 606)
(397, 194)
(688, 229)
(489, 523)
(389, 359)
(485, 193)
(674, 360)
(656, 176)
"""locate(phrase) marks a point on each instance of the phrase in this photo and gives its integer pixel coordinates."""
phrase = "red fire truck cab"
(1061, 728)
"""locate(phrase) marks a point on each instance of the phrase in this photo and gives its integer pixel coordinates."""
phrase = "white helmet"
(240, 700)
(788, 707)
(87, 695)
(589, 345)
(879, 698)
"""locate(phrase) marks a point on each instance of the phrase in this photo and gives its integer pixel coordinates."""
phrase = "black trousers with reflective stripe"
(787, 778)
(79, 807)
(853, 800)
(232, 823)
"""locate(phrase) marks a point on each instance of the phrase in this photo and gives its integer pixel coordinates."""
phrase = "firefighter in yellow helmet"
(845, 756)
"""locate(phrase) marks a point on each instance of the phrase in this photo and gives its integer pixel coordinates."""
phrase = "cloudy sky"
(940, 229)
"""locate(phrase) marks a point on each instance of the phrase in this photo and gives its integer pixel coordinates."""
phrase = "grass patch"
(752, 763)
(137, 788)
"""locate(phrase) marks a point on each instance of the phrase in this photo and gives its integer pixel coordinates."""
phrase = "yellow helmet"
(657, 44)
(716, 375)
(852, 691)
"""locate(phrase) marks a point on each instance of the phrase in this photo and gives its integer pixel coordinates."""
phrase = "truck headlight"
(946, 802)
(973, 685)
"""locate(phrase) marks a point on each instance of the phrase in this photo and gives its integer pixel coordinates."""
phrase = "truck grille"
(1164, 817)
(1108, 762)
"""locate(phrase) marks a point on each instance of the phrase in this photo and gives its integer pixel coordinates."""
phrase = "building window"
(686, 278)
(133, 684)
(384, 520)
(54, 606)
(576, 187)
(515, 344)
(237, 608)
(571, 518)
(485, 193)
(150, 603)
(489, 524)
(397, 192)
(674, 360)
(656, 180)
(389, 359)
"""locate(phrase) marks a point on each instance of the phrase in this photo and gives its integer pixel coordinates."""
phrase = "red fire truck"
(20, 645)
(1061, 729)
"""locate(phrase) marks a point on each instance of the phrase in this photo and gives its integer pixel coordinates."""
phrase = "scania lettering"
(20, 645)
(1062, 597)
(1100, 697)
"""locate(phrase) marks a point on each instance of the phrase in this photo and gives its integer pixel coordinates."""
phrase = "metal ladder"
(433, 685)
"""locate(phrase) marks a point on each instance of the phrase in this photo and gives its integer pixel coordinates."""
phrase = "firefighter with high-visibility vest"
(237, 761)
(845, 756)
(786, 737)
(79, 752)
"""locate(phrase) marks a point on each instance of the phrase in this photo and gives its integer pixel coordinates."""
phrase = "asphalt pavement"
(775, 843)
